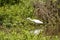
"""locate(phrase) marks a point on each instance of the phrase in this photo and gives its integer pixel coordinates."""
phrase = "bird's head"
(29, 18)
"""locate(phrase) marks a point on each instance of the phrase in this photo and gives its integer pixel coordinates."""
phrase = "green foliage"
(13, 14)
(24, 35)
(11, 2)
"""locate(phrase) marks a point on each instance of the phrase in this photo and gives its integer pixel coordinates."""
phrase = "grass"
(24, 35)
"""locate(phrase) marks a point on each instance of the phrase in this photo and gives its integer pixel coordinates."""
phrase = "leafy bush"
(11, 2)
(24, 35)
(15, 15)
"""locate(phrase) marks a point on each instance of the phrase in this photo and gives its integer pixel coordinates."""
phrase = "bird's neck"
(30, 19)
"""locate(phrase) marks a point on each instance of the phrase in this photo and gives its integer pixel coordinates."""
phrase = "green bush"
(15, 15)
(11, 2)
(25, 35)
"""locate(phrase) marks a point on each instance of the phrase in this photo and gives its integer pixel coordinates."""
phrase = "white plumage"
(35, 20)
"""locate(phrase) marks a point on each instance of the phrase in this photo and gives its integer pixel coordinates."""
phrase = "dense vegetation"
(15, 26)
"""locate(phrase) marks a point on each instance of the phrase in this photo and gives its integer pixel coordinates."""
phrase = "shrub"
(11, 2)
(15, 15)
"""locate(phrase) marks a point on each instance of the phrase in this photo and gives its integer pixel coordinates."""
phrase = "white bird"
(35, 20)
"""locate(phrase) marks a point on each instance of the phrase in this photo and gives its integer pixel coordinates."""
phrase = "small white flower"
(36, 32)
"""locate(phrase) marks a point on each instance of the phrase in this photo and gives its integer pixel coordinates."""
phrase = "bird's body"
(36, 21)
